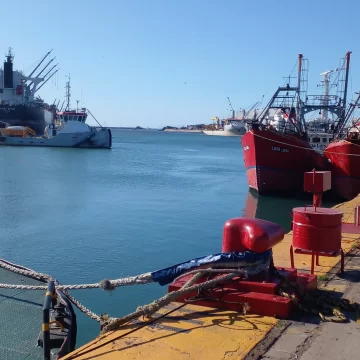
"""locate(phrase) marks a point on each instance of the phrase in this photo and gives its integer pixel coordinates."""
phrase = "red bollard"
(256, 235)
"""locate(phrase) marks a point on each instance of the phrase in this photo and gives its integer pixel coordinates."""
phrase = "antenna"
(9, 55)
(67, 93)
(288, 79)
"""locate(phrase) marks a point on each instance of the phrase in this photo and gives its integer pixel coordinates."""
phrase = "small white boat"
(70, 130)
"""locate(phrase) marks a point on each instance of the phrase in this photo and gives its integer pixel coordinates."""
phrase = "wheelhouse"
(72, 116)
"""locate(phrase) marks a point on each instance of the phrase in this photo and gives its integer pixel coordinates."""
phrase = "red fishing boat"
(344, 156)
(276, 147)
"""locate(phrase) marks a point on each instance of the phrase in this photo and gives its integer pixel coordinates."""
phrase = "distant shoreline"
(183, 130)
(152, 129)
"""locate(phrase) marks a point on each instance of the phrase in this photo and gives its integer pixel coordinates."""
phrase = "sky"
(154, 63)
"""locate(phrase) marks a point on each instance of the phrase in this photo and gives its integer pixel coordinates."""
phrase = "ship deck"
(21, 318)
(195, 332)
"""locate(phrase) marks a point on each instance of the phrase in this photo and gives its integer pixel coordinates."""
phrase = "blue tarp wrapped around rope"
(247, 258)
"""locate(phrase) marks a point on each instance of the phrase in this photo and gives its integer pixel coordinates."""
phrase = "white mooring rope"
(112, 323)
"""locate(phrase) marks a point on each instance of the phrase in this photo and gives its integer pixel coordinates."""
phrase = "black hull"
(35, 117)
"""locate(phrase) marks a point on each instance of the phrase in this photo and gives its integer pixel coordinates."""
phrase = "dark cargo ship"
(18, 104)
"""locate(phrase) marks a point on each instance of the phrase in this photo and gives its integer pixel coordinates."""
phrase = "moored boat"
(19, 105)
(69, 130)
(277, 148)
(275, 161)
(344, 157)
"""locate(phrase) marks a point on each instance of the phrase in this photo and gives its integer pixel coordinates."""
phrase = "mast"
(298, 104)
(68, 94)
(300, 57)
(326, 82)
(346, 76)
(342, 118)
(284, 98)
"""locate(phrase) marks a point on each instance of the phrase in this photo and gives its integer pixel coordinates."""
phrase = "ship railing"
(322, 100)
(283, 102)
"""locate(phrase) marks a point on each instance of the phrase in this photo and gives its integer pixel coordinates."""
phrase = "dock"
(186, 331)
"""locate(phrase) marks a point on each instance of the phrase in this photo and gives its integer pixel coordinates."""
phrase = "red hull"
(276, 162)
(344, 159)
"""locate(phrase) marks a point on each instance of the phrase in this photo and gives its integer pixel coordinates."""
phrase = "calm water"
(153, 200)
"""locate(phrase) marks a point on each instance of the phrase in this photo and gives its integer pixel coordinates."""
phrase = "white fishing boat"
(69, 133)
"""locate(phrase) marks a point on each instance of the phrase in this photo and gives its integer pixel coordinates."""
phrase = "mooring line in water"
(22, 270)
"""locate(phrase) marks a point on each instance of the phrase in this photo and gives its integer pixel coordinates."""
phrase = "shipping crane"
(231, 108)
(246, 114)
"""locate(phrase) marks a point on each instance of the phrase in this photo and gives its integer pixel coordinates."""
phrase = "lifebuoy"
(51, 126)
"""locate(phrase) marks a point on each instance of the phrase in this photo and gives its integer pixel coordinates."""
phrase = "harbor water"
(155, 199)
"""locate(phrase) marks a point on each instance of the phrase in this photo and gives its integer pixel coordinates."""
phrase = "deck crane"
(231, 108)
(246, 114)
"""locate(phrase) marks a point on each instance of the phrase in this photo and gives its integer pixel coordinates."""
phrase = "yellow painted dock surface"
(196, 332)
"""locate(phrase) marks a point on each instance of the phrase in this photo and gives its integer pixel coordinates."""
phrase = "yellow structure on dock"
(185, 331)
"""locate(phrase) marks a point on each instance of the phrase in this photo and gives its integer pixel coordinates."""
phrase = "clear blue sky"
(129, 60)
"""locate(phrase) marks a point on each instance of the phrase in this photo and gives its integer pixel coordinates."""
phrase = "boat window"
(324, 139)
(66, 118)
(316, 139)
